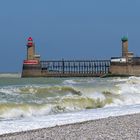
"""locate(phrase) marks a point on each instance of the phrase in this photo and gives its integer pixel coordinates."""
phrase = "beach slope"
(112, 128)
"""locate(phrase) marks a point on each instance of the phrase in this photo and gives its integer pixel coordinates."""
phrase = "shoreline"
(111, 128)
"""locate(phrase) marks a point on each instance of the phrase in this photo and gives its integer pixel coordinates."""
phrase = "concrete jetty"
(125, 65)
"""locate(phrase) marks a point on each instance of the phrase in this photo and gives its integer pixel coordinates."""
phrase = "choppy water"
(36, 98)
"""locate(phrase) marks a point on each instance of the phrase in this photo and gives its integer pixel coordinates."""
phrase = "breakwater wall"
(67, 68)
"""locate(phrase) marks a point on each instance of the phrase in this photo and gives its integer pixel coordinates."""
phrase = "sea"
(32, 103)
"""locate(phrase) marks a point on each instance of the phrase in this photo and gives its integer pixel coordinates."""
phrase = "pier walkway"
(75, 68)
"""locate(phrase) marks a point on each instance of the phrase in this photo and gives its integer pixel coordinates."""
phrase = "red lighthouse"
(30, 49)
(31, 57)
(32, 65)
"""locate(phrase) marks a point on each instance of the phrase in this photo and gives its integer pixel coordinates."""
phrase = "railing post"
(63, 65)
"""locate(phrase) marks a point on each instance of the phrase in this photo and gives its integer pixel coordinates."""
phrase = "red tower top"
(30, 42)
(30, 39)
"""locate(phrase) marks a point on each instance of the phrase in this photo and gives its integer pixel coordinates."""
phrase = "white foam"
(96, 96)
(9, 90)
(24, 124)
(69, 82)
(125, 98)
(10, 75)
(30, 111)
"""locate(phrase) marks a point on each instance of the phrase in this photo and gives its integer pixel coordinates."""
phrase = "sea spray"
(45, 96)
(29, 103)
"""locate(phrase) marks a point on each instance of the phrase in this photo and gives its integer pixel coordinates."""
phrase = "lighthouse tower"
(125, 53)
(30, 49)
(32, 58)
(124, 47)
(32, 65)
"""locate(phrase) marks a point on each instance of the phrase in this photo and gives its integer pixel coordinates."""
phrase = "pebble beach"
(126, 127)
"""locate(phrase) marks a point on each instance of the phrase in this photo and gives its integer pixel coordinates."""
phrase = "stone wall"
(31, 70)
(124, 69)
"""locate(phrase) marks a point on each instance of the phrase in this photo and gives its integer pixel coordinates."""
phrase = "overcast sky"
(70, 29)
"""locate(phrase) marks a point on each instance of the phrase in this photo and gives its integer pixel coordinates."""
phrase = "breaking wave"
(10, 75)
(33, 100)
(67, 96)
(13, 110)
(65, 104)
